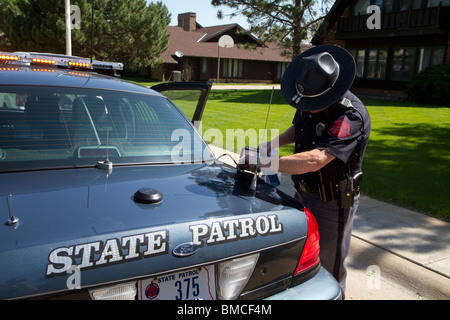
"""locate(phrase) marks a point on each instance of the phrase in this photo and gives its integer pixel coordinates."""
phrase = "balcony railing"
(401, 20)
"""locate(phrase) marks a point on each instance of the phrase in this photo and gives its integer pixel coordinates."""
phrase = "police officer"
(330, 130)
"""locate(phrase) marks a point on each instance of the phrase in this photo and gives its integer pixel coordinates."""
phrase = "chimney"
(187, 21)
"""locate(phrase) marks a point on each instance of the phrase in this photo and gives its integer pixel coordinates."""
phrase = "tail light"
(310, 254)
(123, 291)
(233, 275)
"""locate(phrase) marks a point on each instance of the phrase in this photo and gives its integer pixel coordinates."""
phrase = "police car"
(109, 192)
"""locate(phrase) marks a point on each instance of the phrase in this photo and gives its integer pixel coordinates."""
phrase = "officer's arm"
(287, 137)
(282, 140)
(303, 162)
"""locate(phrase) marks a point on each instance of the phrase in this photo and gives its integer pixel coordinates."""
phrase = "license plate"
(193, 284)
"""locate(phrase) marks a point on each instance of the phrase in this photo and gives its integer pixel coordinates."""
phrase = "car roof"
(59, 77)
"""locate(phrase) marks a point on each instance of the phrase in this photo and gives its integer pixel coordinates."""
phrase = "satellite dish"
(226, 41)
(179, 54)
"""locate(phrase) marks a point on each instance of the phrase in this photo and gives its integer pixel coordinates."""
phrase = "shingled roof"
(203, 42)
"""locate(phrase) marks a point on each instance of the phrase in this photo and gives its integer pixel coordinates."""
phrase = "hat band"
(296, 99)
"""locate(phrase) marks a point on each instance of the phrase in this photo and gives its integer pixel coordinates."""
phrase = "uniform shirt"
(342, 131)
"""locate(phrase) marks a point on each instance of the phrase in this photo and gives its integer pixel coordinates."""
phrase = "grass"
(407, 160)
(142, 81)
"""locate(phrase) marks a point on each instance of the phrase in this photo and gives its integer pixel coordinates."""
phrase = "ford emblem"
(185, 249)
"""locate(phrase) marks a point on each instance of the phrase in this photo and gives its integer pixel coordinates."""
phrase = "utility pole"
(68, 30)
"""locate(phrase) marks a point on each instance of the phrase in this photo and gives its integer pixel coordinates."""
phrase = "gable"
(239, 35)
(203, 44)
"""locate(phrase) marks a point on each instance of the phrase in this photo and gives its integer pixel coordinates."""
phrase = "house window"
(376, 64)
(281, 68)
(435, 3)
(370, 63)
(404, 5)
(204, 65)
(360, 56)
(388, 5)
(232, 68)
(360, 7)
(431, 56)
(403, 63)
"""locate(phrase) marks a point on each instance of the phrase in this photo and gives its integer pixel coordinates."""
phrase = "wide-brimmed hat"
(318, 77)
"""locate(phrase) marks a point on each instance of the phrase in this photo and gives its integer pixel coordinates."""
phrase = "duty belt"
(303, 187)
(327, 189)
(343, 190)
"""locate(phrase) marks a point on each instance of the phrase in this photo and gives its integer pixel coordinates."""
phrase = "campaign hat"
(318, 77)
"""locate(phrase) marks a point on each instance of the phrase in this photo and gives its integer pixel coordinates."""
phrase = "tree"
(285, 22)
(130, 31)
(137, 32)
(40, 25)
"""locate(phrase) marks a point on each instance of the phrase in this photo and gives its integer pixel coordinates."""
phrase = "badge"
(320, 129)
(340, 128)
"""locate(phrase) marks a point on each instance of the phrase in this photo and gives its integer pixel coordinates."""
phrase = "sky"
(206, 13)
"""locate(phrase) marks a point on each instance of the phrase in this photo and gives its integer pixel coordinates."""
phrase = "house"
(194, 51)
(411, 35)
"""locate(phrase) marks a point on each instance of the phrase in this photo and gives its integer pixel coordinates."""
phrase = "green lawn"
(407, 161)
(142, 81)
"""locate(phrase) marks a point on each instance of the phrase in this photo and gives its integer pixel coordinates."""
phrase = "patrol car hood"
(88, 219)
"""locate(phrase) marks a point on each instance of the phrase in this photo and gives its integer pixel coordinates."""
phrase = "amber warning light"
(57, 60)
(43, 61)
(79, 64)
(9, 58)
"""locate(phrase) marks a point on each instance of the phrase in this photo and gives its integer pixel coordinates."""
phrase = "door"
(190, 97)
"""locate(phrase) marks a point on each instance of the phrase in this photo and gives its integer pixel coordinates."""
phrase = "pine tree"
(131, 32)
(285, 22)
(137, 32)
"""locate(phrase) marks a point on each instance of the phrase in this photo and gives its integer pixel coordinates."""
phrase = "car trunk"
(89, 219)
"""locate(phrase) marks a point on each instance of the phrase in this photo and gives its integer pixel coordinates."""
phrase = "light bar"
(5, 57)
(43, 61)
(57, 60)
(105, 65)
(79, 64)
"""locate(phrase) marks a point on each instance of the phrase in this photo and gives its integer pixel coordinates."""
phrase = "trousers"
(335, 229)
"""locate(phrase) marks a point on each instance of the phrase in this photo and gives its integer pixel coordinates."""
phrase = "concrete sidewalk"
(395, 253)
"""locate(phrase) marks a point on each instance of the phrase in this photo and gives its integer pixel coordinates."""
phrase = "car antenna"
(106, 164)
(13, 221)
(255, 176)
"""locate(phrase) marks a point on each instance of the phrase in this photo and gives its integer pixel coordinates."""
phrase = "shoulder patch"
(341, 128)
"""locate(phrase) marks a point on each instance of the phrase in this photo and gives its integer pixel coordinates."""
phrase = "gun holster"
(348, 188)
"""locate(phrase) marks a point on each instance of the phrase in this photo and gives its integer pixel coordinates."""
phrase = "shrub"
(431, 86)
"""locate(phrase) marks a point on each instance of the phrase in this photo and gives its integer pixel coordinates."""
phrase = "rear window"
(46, 127)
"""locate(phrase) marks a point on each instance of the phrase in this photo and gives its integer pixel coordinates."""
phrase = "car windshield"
(48, 127)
